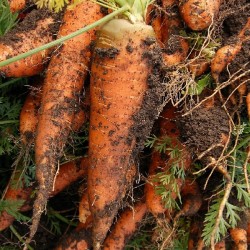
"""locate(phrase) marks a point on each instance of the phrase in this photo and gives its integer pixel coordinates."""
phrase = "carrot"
(199, 14)
(239, 236)
(63, 84)
(220, 245)
(68, 173)
(77, 240)
(37, 29)
(248, 104)
(29, 115)
(125, 227)
(169, 3)
(198, 65)
(84, 211)
(125, 99)
(17, 5)
(226, 54)
(191, 199)
(175, 46)
(162, 162)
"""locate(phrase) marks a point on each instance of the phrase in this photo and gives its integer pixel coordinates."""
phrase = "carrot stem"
(14, 231)
(64, 38)
(3, 85)
(8, 122)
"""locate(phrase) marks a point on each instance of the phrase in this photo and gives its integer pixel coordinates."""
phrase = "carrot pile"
(164, 84)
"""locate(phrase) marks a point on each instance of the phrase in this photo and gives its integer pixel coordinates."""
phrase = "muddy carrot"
(38, 28)
(123, 109)
(125, 227)
(62, 86)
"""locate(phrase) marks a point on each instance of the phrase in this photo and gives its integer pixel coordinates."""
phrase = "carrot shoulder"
(124, 104)
(37, 29)
(63, 85)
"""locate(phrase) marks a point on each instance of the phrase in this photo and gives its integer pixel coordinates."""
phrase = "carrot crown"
(136, 8)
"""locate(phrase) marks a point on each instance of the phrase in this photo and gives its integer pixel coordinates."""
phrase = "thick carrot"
(63, 84)
(125, 227)
(68, 173)
(38, 28)
(125, 99)
(199, 14)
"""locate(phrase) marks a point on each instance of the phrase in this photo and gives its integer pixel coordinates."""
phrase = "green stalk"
(3, 85)
(65, 38)
(14, 231)
(8, 122)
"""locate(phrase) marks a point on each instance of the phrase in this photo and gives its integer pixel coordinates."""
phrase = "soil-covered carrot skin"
(77, 240)
(61, 91)
(248, 105)
(84, 211)
(197, 65)
(38, 28)
(29, 117)
(125, 227)
(125, 97)
(199, 14)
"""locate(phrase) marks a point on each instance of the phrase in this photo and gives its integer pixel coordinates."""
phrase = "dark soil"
(203, 128)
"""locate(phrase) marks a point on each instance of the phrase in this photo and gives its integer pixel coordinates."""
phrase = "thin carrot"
(63, 84)
(68, 173)
(191, 199)
(125, 96)
(161, 162)
(199, 14)
(125, 227)
(38, 28)
(29, 115)
(248, 104)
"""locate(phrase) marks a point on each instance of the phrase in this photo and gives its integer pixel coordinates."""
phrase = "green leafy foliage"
(12, 207)
(7, 19)
(168, 181)
(200, 85)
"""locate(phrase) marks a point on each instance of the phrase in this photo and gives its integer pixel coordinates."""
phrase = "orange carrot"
(68, 173)
(162, 162)
(198, 65)
(248, 104)
(125, 227)
(239, 236)
(226, 54)
(37, 29)
(62, 86)
(125, 96)
(29, 116)
(175, 47)
(17, 5)
(84, 211)
(168, 3)
(77, 240)
(191, 199)
(199, 14)
(220, 245)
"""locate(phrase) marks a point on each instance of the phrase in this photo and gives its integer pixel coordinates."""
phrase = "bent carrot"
(63, 84)
(68, 173)
(199, 14)
(40, 27)
(125, 227)
(125, 96)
